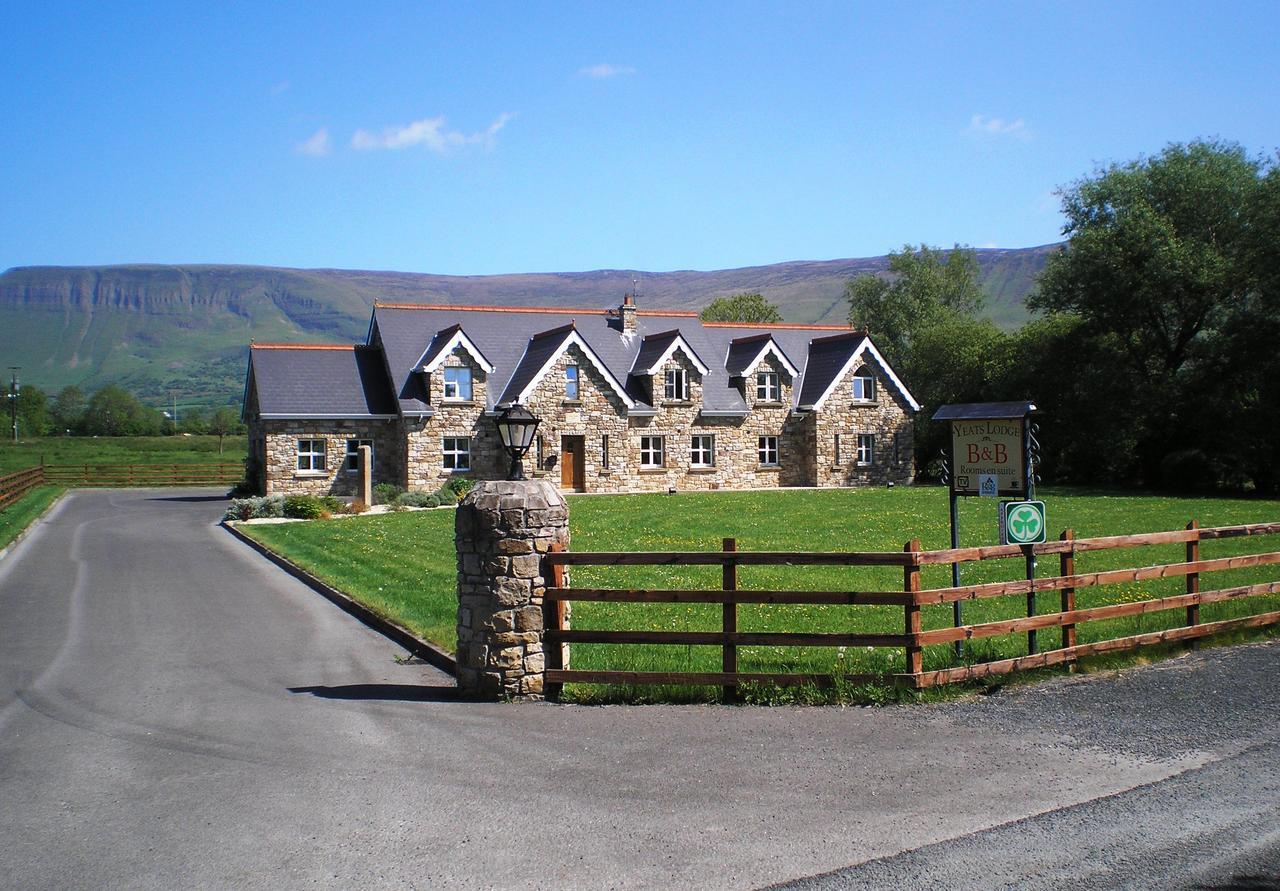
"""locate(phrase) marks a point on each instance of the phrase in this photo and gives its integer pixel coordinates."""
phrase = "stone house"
(629, 401)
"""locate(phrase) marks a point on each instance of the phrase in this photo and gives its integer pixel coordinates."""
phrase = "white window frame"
(307, 451)
(766, 446)
(866, 449)
(864, 385)
(702, 450)
(675, 386)
(455, 453)
(768, 386)
(572, 382)
(351, 460)
(453, 388)
(652, 447)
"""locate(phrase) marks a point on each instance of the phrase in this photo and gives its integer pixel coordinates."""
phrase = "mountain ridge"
(159, 327)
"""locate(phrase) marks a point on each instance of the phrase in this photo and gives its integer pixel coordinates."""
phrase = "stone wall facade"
(277, 444)
(409, 452)
(502, 531)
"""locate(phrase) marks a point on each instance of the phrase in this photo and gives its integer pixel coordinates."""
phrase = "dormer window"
(864, 386)
(677, 385)
(767, 386)
(457, 384)
(571, 382)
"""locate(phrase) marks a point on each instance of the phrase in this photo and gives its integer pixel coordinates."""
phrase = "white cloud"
(316, 145)
(604, 69)
(1016, 128)
(430, 132)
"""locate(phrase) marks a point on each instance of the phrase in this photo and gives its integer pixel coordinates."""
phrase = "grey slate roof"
(540, 349)
(827, 357)
(320, 381)
(503, 334)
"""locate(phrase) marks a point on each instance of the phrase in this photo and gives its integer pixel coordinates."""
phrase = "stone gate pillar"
(502, 530)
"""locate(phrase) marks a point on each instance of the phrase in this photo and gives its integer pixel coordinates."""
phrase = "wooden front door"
(572, 472)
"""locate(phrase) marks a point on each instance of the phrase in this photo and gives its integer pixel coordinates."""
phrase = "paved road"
(176, 712)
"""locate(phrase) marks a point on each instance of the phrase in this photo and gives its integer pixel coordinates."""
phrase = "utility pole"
(13, 398)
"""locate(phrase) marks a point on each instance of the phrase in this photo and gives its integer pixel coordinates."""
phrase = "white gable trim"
(681, 343)
(573, 339)
(870, 348)
(771, 347)
(459, 339)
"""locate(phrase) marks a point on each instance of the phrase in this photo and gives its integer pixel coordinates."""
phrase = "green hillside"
(154, 329)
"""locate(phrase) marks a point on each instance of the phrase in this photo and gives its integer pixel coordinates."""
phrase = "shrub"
(386, 493)
(305, 507)
(255, 508)
(419, 499)
(459, 486)
(357, 507)
(333, 504)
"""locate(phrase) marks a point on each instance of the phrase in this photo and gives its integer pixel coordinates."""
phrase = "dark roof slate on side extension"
(539, 351)
(827, 357)
(320, 381)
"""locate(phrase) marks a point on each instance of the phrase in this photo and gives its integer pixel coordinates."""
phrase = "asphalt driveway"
(175, 711)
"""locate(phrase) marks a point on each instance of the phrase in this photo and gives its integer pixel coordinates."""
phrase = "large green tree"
(1168, 274)
(114, 411)
(925, 287)
(751, 308)
(923, 317)
(68, 409)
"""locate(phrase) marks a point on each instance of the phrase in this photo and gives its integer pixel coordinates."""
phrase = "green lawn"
(402, 565)
(16, 517)
(120, 450)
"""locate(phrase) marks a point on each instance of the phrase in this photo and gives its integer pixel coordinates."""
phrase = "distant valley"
(155, 328)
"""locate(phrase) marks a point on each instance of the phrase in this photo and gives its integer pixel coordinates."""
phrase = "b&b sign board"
(988, 458)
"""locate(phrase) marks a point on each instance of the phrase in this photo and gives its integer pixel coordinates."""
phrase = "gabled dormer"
(762, 372)
(454, 370)
(547, 351)
(669, 369)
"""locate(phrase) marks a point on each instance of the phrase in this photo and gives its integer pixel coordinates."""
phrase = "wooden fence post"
(553, 620)
(729, 621)
(1066, 567)
(911, 584)
(1193, 578)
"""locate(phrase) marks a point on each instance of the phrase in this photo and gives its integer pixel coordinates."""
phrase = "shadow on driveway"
(191, 499)
(400, 692)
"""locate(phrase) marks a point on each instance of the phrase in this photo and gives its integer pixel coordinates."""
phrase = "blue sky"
(471, 139)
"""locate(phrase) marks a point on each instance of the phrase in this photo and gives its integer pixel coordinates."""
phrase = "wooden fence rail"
(912, 598)
(16, 485)
(144, 474)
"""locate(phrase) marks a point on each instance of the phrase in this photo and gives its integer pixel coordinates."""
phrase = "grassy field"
(120, 450)
(402, 565)
(16, 517)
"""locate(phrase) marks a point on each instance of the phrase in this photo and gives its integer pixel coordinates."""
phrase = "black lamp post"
(516, 427)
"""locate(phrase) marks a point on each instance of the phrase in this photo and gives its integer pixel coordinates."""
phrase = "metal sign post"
(993, 454)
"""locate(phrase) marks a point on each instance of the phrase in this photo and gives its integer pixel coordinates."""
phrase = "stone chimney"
(627, 312)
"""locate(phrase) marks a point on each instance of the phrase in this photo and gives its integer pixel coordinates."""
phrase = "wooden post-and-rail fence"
(912, 599)
(15, 485)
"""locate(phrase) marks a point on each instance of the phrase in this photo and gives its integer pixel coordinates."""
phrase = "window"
(768, 446)
(677, 385)
(541, 459)
(457, 384)
(652, 451)
(457, 453)
(571, 382)
(702, 451)
(866, 449)
(837, 460)
(352, 462)
(604, 451)
(311, 455)
(864, 386)
(767, 386)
